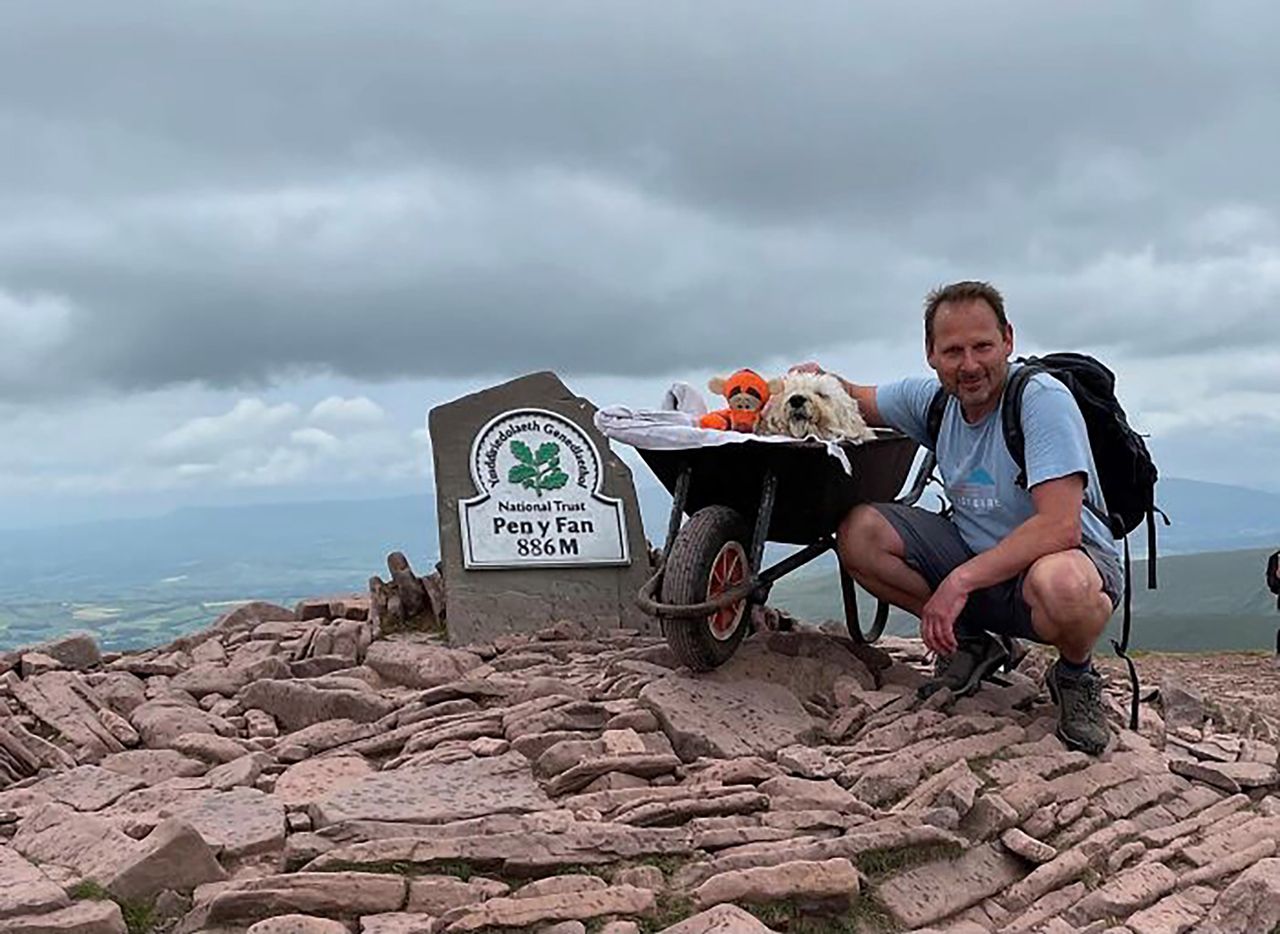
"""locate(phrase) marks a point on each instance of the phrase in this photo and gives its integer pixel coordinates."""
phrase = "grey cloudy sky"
(244, 246)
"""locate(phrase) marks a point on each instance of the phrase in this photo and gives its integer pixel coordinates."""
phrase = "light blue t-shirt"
(978, 472)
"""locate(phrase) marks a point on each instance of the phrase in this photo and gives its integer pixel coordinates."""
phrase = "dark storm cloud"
(235, 193)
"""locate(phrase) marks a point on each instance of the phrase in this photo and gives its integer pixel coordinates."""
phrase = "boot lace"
(1083, 697)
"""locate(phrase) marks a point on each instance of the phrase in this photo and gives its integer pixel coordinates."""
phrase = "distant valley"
(140, 582)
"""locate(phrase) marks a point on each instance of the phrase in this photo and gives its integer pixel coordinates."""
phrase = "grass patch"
(871, 917)
(671, 909)
(463, 870)
(665, 862)
(457, 868)
(392, 868)
(864, 916)
(876, 864)
(789, 917)
(88, 890)
(139, 917)
(570, 869)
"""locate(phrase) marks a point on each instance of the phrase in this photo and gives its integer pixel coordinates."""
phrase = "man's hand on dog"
(938, 618)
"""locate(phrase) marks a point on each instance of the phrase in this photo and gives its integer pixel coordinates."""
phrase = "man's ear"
(775, 386)
(1008, 340)
(716, 385)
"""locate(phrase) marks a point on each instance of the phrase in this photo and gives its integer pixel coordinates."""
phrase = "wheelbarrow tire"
(714, 532)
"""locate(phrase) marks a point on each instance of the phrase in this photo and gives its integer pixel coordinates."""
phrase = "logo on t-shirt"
(975, 493)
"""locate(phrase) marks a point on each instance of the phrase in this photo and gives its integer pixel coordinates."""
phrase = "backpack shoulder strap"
(933, 421)
(1011, 417)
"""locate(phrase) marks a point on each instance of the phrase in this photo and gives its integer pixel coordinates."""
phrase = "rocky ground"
(1242, 682)
(285, 771)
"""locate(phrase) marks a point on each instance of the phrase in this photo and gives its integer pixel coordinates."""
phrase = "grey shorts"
(934, 549)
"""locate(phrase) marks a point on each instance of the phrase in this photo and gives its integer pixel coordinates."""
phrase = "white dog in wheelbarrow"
(806, 405)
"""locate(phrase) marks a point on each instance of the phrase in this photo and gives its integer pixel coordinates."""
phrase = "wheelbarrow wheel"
(708, 557)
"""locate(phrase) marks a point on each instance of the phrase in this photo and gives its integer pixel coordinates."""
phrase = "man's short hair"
(959, 293)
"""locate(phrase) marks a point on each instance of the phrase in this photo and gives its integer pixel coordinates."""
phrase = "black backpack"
(1273, 576)
(1126, 471)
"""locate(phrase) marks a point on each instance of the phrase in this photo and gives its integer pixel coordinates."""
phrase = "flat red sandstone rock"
(471, 788)
(936, 890)
(24, 889)
(314, 779)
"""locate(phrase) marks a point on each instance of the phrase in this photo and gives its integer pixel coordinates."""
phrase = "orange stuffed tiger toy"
(747, 393)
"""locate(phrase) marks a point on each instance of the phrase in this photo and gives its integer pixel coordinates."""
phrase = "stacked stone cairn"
(406, 601)
(294, 770)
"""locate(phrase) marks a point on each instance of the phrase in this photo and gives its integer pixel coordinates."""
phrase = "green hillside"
(1217, 601)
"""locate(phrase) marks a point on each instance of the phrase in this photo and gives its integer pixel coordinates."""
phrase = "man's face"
(970, 353)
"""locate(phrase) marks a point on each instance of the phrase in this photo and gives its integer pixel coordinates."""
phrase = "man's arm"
(1056, 526)
(865, 396)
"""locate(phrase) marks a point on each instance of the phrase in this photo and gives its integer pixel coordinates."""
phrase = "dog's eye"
(823, 395)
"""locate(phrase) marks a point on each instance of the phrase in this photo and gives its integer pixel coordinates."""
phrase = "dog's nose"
(796, 402)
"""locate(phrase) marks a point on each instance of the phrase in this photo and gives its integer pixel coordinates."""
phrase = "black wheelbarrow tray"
(738, 496)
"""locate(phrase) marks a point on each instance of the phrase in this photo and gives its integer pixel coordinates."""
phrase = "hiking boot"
(1081, 722)
(975, 659)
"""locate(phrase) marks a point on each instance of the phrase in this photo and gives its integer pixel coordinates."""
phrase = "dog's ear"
(716, 385)
(775, 386)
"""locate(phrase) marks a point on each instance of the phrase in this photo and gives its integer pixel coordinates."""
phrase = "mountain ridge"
(137, 580)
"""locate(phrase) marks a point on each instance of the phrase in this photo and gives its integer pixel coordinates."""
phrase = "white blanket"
(676, 431)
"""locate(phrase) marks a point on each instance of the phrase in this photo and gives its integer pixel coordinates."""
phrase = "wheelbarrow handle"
(645, 599)
(923, 476)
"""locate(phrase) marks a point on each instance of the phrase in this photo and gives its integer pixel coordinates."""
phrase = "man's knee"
(865, 532)
(1065, 586)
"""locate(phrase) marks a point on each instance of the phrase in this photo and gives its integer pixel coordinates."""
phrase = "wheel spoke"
(728, 571)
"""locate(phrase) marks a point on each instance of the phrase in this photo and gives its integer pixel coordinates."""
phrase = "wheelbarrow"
(739, 496)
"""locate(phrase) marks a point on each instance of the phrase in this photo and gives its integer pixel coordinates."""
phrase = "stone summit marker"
(538, 519)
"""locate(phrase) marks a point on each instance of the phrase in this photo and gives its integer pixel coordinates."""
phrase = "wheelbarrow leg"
(760, 535)
(768, 493)
(849, 592)
(678, 500)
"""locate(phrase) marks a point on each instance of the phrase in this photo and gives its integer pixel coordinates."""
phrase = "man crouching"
(1027, 562)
